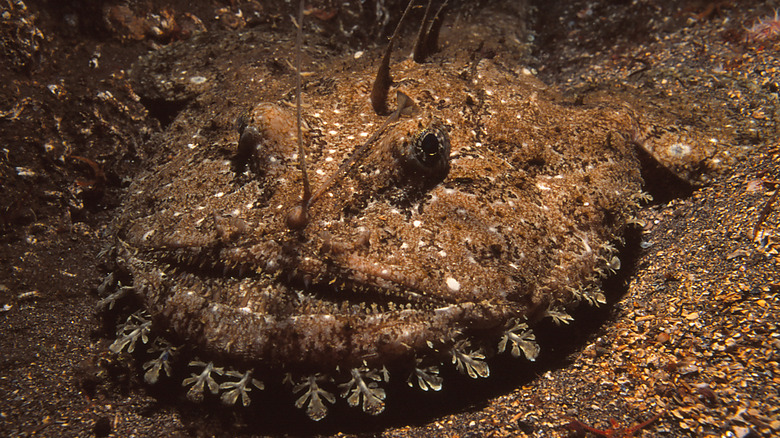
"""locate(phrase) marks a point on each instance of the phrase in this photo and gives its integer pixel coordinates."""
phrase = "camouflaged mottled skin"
(398, 268)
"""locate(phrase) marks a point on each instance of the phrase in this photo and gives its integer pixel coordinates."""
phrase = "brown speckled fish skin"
(396, 264)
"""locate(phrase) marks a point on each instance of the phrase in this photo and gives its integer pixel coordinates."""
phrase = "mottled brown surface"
(401, 260)
(709, 364)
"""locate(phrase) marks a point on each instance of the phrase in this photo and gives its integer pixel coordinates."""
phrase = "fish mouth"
(347, 286)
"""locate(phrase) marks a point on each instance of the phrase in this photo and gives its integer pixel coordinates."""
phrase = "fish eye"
(428, 149)
(428, 153)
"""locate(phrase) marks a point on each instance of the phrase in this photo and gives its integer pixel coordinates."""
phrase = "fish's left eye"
(428, 152)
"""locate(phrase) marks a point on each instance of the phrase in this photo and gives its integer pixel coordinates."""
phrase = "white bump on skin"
(453, 284)
(679, 149)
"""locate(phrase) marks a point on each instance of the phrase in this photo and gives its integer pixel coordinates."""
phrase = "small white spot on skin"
(416, 223)
(331, 132)
(453, 284)
(358, 54)
(235, 212)
(219, 194)
(147, 235)
(199, 221)
(320, 172)
(245, 309)
(191, 145)
(197, 80)
(442, 253)
(404, 246)
(679, 149)
(542, 186)
(249, 205)
(364, 134)
(328, 159)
